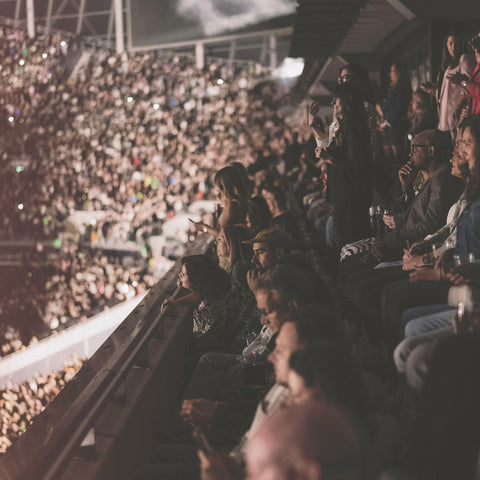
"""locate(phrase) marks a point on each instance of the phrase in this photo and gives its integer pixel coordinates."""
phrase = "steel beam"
(81, 12)
(48, 23)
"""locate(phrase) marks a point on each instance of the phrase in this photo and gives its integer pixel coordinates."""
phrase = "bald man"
(313, 441)
(427, 212)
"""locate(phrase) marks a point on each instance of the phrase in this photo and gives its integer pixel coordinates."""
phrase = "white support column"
(30, 19)
(18, 6)
(110, 24)
(273, 51)
(81, 11)
(200, 55)
(48, 23)
(120, 43)
(129, 26)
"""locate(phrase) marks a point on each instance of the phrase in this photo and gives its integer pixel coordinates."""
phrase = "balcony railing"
(100, 426)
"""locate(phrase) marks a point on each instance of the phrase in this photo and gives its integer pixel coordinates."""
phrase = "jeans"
(437, 316)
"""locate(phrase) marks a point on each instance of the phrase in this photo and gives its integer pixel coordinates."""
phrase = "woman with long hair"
(233, 255)
(450, 95)
(349, 167)
(232, 193)
(223, 310)
(394, 110)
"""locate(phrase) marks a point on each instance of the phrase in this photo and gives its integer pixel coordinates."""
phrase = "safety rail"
(101, 424)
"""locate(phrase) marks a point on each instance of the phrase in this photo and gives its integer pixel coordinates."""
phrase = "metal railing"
(101, 424)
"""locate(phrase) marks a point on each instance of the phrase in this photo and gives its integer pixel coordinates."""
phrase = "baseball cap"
(274, 237)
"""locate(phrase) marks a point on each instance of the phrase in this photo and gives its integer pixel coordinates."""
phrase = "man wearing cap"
(268, 246)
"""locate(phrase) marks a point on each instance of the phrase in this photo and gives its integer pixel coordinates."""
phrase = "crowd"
(364, 361)
(20, 404)
(348, 355)
(134, 138)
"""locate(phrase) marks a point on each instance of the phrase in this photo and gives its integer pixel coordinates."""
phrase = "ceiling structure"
(331, 33)
(157, 24)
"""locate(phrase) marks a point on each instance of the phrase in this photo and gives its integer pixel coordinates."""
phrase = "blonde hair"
(231, 185)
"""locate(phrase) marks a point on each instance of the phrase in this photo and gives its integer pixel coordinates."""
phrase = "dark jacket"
(428, 212)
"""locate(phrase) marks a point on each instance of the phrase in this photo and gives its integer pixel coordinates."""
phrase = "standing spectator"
(471, 85)
(450, 95)
(394, 109)
(349, 170)
(231, 190)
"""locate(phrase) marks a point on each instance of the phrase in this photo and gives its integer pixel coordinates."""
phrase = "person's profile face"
(419, 152)
(264, 256)
(183, 278)
(458, 158)
(286, 344)
(269, 311)
(470, 150)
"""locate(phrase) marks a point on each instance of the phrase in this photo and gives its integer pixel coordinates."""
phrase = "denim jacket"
(468, 232)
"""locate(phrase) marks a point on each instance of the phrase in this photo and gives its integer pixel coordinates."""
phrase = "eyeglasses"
(181, 274)
(416, 148)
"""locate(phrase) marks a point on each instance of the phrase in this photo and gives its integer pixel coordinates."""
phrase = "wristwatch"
(463, 83)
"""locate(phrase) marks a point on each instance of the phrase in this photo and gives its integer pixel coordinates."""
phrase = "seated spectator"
(368, 286)
(278, 292)
(224, 311)
(312, 441)
(428, 209)
(298, 331)
(268, 246)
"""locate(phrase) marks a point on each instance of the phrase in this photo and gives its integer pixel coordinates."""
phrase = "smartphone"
(201, 439)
